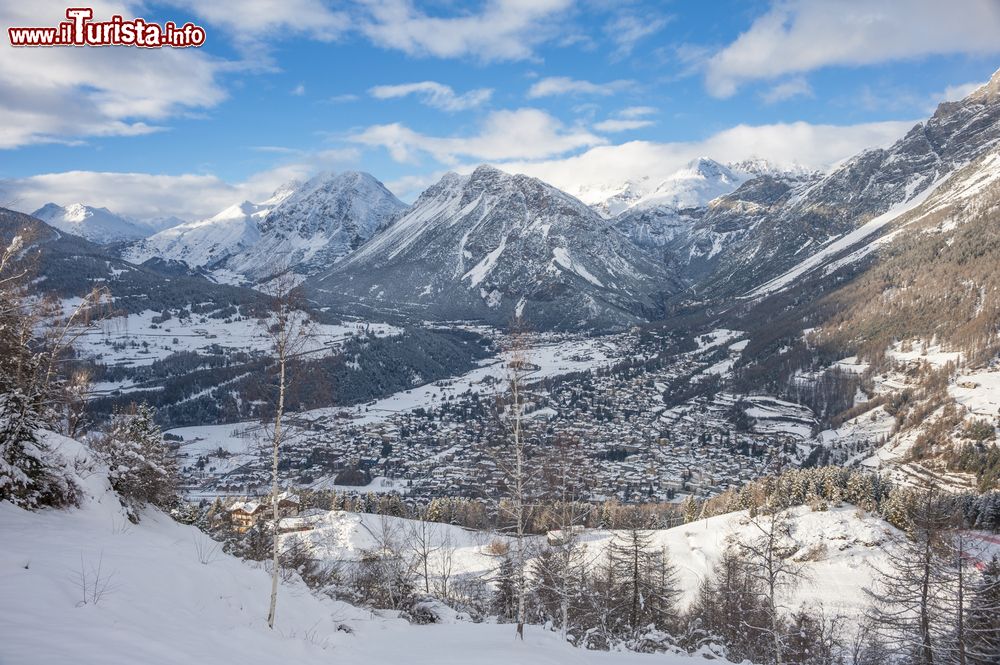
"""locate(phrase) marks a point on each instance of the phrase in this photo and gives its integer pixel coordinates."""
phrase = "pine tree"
(644, 584)
(141, 467)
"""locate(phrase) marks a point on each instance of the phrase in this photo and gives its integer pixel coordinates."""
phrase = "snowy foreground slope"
(837, 548)
(163, 605)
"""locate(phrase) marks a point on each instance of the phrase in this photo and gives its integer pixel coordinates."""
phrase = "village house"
(246, 513)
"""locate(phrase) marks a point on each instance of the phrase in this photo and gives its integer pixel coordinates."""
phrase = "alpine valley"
(741, 314)
(352, 387)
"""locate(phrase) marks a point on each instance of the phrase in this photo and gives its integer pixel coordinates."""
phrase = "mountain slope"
(69, 266)
(491, 244)
(768, 225)
(302, 227)
(317, 225)
(98, 225)
(206, 242)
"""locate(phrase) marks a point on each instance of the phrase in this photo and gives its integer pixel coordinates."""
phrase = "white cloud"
(563, 85)
(408, 187)
(786, 144)
(299, 90)
(434, 94)
(954, 93)
(621, 125)
(345, 98)
(188, 196)
(519, 134)
(793, 87)
(636, 111)
(65, 94)
(499, 30)
(627, 30)
(253, 20)
(799, 36)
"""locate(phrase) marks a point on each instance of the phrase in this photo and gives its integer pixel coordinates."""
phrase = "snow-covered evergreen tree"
(142, 468)
(28, 477)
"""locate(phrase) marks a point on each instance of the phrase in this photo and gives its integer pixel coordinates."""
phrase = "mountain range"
(490, 245)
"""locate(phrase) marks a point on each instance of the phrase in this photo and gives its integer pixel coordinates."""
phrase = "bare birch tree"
(514, 460)
(422, 540)
(560, 568)
(287, 328)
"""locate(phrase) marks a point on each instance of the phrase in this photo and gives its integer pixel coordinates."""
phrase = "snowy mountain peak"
(319, 223)
(305, 226)
(284, 191)
(99, 225)
(493, 244)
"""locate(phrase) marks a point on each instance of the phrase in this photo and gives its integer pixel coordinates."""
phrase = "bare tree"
(515, 463)
(422, 540)
(444, 562)
(765, 553)
(907, 601)
(287, 327)
(561, 567)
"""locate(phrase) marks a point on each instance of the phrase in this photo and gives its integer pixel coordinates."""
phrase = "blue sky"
(582, 94)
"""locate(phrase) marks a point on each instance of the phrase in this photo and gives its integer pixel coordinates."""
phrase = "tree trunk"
(274, 487)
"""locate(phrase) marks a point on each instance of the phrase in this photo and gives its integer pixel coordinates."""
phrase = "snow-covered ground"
(169, 596)
(836, 548)
(140, 341)
(548, 357)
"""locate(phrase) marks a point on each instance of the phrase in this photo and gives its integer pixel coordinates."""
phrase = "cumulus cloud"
(797, 36)
(786, 144)
(67, 94)
(434, 94)
(518, 134)
(499, 30)
(563, 85)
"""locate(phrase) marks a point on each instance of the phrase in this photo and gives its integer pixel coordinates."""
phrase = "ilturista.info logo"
(81, 30)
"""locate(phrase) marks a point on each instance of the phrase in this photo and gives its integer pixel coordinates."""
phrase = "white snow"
(836, 547)
(166, 603)
(842, 243)
(562, 257)
(146, 342)
(95, 224)
(479, 271)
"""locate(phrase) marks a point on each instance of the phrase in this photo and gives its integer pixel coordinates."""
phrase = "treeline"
(823, 487)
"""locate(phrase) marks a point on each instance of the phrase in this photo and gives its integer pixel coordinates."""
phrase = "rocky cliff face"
(492, 245)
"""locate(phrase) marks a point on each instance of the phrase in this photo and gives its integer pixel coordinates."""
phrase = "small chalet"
(247, 513)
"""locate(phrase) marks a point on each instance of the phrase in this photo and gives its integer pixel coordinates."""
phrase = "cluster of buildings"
(632, 440)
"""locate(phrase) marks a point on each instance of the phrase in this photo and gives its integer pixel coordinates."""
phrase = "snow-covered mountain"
(206, 243)
(613, 199)
(770, 224)
(98, 225)
(489, 245)
(304, 227)
(317, 225)
(693, 186)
